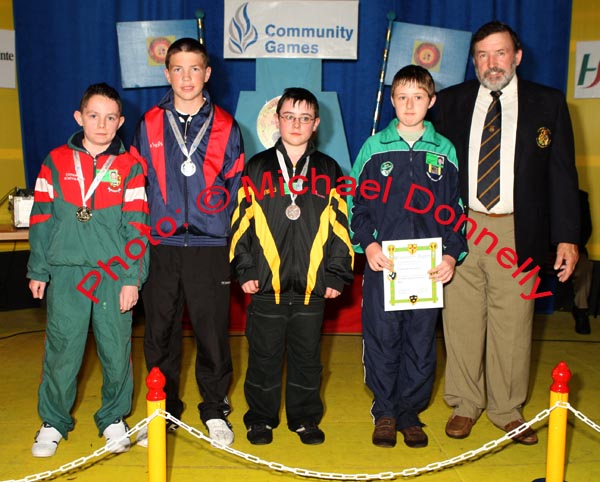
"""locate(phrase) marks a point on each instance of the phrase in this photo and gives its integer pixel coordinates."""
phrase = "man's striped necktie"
(488, 173)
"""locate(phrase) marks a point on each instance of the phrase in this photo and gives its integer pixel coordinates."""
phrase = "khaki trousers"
(487, 329)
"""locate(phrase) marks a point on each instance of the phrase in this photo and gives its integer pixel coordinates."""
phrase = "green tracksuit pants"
(69, 315)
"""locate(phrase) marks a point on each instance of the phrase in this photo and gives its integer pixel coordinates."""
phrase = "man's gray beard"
(500, 83)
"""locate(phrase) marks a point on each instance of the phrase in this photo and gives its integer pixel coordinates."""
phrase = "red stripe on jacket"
(38, 218)
(156, 138)
(217, 145)
(213, 159)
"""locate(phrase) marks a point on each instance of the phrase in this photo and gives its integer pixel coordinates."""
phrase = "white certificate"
(408, 286)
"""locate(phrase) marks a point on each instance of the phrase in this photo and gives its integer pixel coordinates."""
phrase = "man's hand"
(567, 255)
(37, 288)
(128, 297)
(250, 286)
(377, 260)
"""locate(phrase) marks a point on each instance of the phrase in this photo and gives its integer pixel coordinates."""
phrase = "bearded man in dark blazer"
(489, 305)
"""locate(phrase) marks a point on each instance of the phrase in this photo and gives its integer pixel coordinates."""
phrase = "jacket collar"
(116, 146)
(390, 134)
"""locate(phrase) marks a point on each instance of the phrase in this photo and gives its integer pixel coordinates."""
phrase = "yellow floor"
(347, 423)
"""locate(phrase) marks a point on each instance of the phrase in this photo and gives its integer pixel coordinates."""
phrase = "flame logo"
(242, 33)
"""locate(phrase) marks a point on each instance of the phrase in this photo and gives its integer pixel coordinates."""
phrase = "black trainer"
(260, 434)
(310, 434)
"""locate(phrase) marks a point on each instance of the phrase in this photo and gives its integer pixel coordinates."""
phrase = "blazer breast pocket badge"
(544, 137)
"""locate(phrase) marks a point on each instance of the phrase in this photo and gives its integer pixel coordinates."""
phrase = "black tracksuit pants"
(272, 330)
(198, 277)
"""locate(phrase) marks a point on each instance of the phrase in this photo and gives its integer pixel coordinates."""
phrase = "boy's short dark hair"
(495, 26)
(186, 44)
(102, 89)
(415, 74)
(299, 94)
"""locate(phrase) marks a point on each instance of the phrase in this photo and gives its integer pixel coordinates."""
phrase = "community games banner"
(317, 29)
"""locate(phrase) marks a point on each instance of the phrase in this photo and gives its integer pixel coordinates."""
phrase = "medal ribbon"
(197, 140)
(286, 176)
(81, 180)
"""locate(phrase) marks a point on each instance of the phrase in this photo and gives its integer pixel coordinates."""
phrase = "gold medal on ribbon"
(83, 214)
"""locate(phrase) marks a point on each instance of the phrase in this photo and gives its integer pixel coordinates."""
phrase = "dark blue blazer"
(546, 199)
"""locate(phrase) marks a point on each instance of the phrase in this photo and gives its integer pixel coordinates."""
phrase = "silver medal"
(188, 168)
(84, 214)
(292, 212)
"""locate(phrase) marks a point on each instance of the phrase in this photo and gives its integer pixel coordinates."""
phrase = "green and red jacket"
(119, 214)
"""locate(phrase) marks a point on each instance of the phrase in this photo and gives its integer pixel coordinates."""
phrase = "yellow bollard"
(557, 425)
(157, 434)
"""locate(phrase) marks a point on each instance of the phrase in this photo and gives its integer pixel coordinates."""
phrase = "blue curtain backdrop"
(63, 46)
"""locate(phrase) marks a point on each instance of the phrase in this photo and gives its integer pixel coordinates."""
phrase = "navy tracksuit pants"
(399, 355)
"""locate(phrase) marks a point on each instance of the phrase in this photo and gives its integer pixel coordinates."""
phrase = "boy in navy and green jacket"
(399, 346)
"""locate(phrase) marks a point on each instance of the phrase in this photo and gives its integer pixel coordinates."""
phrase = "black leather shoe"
(582, 321)
(260, 434)
(310, 434)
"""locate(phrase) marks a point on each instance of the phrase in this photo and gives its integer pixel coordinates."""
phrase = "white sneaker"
(220, 431)
(46, 441)
(142, 435)
(116, 432)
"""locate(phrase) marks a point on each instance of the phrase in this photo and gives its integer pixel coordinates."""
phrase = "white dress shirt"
(508, 135)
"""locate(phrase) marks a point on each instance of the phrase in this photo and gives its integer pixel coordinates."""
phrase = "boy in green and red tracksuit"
(89, 210)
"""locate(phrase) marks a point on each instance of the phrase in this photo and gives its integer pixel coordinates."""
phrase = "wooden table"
(9, 233)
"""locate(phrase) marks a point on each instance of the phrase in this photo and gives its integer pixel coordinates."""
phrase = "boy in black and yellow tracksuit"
(291, 250)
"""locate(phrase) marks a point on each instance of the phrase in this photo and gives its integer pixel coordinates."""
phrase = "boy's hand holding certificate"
(409, 286)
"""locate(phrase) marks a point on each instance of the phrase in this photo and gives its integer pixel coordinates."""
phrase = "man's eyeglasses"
(303, 119)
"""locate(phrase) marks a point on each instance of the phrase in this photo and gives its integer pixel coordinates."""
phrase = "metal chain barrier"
(311, 473)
